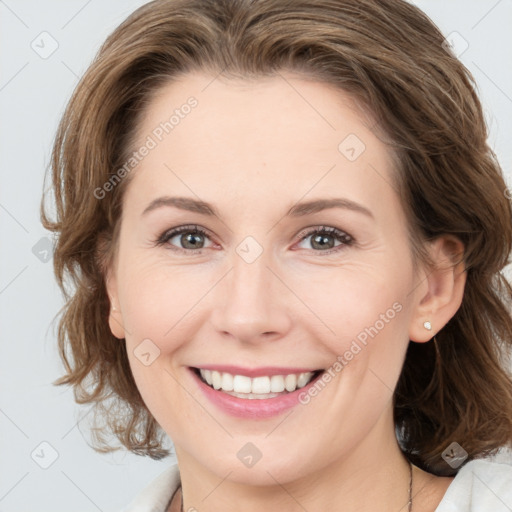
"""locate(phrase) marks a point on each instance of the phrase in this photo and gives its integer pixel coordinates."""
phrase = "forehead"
(248, 139)
(260, 108)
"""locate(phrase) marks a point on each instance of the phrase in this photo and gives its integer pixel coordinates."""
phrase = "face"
(261, 237)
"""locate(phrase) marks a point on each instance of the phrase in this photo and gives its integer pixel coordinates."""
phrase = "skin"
(253, 149)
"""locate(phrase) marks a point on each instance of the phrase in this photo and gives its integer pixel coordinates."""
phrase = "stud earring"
(427, 325)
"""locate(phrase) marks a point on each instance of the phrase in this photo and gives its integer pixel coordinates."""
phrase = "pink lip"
(256, 372)
(252, 409)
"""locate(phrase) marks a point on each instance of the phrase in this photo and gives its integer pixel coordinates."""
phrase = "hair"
(390, 58)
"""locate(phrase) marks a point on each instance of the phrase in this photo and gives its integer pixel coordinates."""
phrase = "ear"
(440, 293)
(107, 266)
(115, 318)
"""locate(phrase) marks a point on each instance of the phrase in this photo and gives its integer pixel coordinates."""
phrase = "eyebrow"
(183, 203)
(318, 205)
(298, 210)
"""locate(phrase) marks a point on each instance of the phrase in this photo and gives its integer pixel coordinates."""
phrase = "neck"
(373, 474)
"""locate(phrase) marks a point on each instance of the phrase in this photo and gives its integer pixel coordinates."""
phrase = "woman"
(285, 232)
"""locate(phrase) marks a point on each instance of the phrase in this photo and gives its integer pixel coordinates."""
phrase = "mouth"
(260, 387)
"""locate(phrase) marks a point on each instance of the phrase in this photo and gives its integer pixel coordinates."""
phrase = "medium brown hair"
(390, 58)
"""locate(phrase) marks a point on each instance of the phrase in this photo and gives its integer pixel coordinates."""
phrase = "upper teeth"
(261, 385)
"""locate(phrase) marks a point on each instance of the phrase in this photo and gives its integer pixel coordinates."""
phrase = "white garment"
(480, 486)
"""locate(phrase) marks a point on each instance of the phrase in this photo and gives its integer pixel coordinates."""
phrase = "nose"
(251, 303)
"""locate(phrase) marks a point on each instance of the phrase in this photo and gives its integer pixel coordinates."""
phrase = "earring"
(427, 325)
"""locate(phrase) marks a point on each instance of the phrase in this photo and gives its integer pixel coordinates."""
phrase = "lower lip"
(252, 408)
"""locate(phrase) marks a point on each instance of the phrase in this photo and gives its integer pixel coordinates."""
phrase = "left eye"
(325, 238)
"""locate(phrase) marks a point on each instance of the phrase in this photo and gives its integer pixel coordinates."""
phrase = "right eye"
(190, 238)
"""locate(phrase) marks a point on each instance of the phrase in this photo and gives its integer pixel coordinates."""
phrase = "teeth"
(217, 380)
(277, 384)
(207, 376)
(258, 387)
(290, 382)
(242, 384)
(302, 380)
(227, 382)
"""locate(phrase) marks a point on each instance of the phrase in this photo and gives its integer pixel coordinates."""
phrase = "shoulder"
(481, 485)
(156, 495)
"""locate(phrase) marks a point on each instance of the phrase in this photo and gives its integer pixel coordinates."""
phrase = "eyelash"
(341, 236)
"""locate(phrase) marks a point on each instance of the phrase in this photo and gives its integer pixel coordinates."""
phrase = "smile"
(266, 393)
(266, 386)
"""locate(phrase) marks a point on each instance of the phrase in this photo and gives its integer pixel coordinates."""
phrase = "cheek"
(356, 302)
(157, 300)
(160, 307)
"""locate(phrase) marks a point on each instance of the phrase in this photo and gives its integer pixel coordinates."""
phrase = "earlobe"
(106, 264)
(115, 324)
(115, 318)
(437, 301)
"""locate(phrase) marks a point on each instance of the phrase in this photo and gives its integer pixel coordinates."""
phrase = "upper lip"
(255, 372)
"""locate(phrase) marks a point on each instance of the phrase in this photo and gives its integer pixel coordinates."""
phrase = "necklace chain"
(410, 491)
